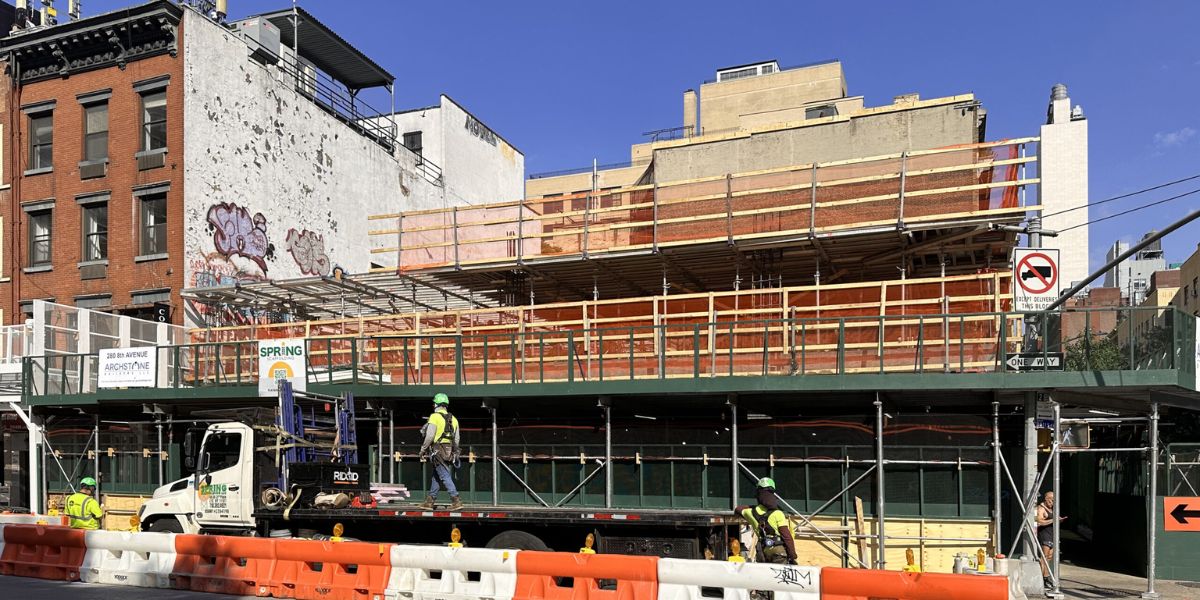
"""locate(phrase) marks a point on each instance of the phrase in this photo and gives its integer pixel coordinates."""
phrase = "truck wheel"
(517, 540)
(167, 525)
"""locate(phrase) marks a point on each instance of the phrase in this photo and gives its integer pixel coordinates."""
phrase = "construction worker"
(82, 508)
(441, 446)
(770, 524)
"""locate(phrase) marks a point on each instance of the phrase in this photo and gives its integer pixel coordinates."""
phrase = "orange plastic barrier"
(861, 584)
(42, 551)
(223, 565)
(569, 576)
(329, 570)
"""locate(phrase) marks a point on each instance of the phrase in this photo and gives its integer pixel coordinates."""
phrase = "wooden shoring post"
(654, 199)
(729, 207)
(399, 242)
(520, 232)
(587, 211)
(812, 206)
(454, 221)
(903, 177)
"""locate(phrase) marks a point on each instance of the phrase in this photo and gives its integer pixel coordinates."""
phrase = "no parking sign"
(1035, 275)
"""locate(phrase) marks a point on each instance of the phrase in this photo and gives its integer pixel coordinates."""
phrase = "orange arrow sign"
(1181, 514)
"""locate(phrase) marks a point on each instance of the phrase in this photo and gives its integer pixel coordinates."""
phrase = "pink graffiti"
(235, 232)
(308, 248)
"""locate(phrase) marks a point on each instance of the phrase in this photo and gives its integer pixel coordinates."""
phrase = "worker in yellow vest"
(770, 524)
(84, 510)
(440, 444)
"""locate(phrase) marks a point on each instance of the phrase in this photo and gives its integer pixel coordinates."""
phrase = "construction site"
(825, 296)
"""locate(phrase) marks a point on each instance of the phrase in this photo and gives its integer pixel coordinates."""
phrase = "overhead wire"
(1134, 209)
(1123, 196)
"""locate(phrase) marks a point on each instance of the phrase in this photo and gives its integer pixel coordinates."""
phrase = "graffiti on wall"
(308, 249)
(480, 130)
(236, 233)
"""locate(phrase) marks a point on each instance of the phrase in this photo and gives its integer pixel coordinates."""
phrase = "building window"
(412, 141)
(95, 231)
(154, 120)
(153, 238)
(41, 141)
(817, 112)
(40, 230)
(95, 132)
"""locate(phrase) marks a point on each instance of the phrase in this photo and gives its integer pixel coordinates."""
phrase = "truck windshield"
(223, 450)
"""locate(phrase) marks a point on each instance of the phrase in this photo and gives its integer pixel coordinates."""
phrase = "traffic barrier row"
(27, 519)
(326, 570)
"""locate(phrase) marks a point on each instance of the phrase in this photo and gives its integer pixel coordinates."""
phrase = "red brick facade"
(63, 283)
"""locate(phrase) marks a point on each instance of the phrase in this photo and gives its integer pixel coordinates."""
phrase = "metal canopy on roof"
(328, 51)
(333, 297)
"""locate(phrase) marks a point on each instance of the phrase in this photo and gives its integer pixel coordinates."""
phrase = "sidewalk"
(1082, 582)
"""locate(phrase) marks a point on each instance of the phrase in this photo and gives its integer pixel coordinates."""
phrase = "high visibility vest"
(443, 434)
(84, 511)
(766, 522)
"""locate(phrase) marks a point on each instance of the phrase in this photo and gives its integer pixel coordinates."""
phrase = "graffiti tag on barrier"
(792, 576)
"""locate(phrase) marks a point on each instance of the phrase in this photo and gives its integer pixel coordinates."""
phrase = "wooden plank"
(859, 530)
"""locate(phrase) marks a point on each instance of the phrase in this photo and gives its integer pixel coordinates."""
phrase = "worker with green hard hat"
(440, 445)
(82, 508)
(770, 524)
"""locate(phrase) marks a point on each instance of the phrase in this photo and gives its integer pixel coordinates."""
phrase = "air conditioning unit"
(263, 38)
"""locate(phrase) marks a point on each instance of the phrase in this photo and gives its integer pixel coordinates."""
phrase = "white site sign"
(1035, 278)
(127, 367)
(281, 359)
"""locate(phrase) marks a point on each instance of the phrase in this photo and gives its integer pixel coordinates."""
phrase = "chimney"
(689, 113)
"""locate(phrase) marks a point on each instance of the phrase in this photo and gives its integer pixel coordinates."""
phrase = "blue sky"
(570, 81)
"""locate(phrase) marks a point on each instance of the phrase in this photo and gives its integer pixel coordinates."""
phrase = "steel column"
(734, 473)
(880, 508)
(158, 425)
(96, 457)
(1031, 465)
(1055, 456)
(495, 459)
(608, 470)
(1152, 505)
(391, 446)
(379, 443)
(996, 507)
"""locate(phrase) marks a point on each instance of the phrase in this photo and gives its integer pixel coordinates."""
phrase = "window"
(95, 132)
(412, 141)
(40, 229)
(41, 141)
(817, 112)
(153, 238)
(222, 450)
(95, 231)
(154, 120)
(738, 74)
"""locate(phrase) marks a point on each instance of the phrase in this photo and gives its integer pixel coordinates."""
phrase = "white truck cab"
(218, 496)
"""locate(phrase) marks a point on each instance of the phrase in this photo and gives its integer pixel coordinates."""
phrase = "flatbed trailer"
(677, 533)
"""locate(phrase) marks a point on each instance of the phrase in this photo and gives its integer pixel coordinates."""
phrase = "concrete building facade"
(1160, 296)
(1188, 298)
(1063, 189)
(777, 118)
(1132, 276)
(460, 144)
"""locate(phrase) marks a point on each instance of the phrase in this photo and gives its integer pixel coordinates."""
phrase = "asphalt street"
(38, 589)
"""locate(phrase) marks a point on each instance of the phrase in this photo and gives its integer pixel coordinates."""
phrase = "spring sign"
(281, 359)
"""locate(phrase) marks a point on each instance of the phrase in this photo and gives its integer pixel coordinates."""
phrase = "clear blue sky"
(567, 82)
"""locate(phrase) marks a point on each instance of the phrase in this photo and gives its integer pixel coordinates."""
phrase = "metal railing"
(923, 343)
(588, 169)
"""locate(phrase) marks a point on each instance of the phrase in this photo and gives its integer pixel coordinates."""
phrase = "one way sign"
(1181, 513)
(1035, 361)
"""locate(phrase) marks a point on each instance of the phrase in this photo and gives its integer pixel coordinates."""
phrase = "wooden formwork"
(859, 327)
(978, 181)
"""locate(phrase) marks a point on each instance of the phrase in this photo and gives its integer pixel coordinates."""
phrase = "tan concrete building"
(761, 116)
(1164, 286)
(1188, 297)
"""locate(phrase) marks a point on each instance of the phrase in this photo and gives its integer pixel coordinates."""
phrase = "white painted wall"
(1063, 168)
(478, 166)
(291, 185)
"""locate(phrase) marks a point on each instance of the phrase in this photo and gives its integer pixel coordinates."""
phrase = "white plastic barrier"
(464, 573)
(24, 519)
(128, 558)
(680, 579)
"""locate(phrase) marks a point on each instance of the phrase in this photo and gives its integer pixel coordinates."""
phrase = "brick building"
(156, 150)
